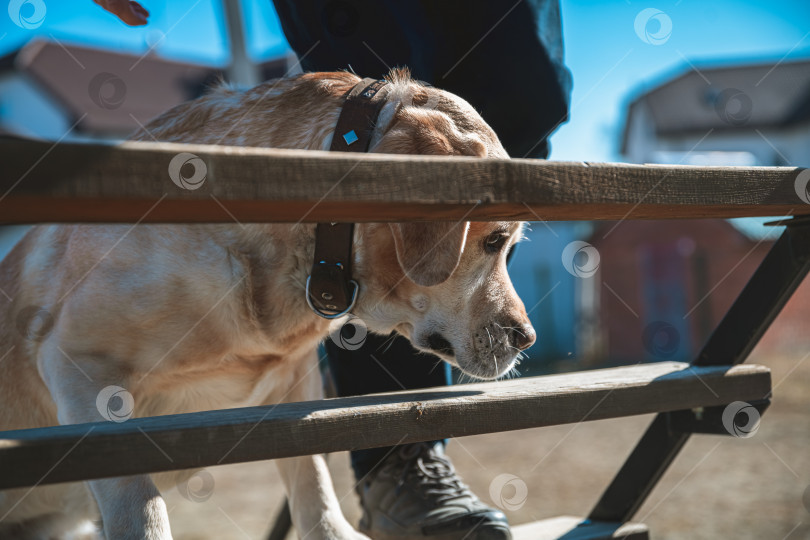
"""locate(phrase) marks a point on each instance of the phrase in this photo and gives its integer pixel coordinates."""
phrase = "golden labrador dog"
(196, 317)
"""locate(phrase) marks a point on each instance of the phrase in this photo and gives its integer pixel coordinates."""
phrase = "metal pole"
(241, 70)
(763, 297)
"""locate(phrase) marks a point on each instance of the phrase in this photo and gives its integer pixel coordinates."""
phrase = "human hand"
(129, 11)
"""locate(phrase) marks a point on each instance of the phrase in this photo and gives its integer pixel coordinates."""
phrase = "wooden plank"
(145, 445)
(574, 528)
(71, 182)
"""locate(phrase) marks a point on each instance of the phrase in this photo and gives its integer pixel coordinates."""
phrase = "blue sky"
(609, 61)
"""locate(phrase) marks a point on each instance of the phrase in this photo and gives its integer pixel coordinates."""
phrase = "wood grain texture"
(574, 528)
(46, 182)
(145, 445)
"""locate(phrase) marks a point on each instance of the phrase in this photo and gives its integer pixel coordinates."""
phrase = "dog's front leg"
(314, 506)
(131, 507)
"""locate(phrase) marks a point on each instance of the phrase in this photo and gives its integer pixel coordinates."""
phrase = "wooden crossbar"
(572, 528)
(71, 182)
(147, 445)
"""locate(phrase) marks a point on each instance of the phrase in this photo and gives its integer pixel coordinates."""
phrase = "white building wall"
(641, 138)
(766, 147)
(28, 111)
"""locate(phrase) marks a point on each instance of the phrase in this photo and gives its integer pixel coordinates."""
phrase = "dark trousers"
(505, 58)
(382, 364)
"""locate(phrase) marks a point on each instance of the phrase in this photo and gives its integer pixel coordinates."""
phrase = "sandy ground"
(719, 487)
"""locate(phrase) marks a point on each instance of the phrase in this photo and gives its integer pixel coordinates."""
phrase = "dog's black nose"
(522, 335)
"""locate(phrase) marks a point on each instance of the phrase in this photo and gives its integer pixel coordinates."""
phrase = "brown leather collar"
(331, 292)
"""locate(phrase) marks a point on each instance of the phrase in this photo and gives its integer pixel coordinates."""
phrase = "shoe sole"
(463, 535)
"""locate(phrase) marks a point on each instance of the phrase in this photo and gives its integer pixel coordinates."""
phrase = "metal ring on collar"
(320, 313)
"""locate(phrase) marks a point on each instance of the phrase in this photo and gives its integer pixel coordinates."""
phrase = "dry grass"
(719, 487)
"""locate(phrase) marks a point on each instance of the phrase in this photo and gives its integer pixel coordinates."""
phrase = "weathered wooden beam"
(147, 445)
(46, 182)
(574, 528)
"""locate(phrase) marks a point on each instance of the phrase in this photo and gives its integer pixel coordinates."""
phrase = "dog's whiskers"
(519, 353)
(387, 343)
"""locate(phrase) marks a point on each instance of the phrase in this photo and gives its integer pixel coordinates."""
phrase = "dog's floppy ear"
(429, 252)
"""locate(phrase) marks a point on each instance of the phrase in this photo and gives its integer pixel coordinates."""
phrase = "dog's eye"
(495, 241)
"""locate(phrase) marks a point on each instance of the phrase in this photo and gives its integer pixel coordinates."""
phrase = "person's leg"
(517, 80)
(382, 364)
(505, 59)
(410, 490)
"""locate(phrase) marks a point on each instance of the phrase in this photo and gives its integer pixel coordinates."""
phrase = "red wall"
(692, 259)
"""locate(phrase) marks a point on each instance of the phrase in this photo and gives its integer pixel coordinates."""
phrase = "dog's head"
(419, 119)
(442, 285)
